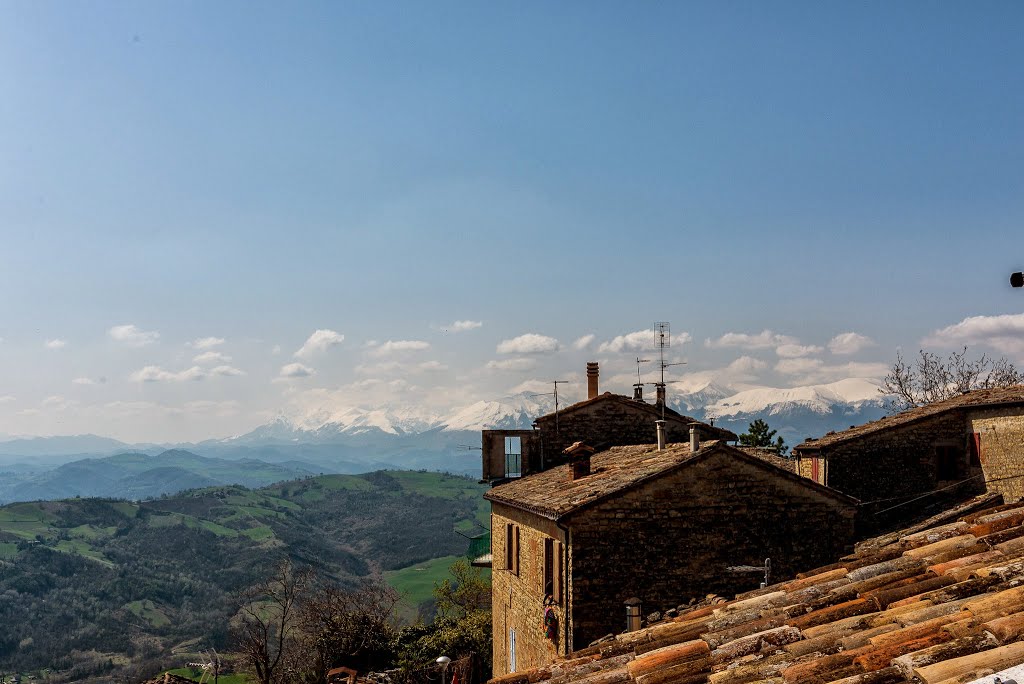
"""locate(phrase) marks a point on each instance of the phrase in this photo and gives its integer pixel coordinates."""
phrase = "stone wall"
(673, 538)
(517, 601)
(603, 424)
(900, 461)
(1001, 432)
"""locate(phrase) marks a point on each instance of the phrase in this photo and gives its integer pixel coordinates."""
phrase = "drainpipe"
(660, 427)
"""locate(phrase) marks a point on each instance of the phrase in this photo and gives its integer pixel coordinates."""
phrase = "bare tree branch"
(934, 378)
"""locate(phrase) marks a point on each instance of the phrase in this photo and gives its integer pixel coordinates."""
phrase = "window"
(513, 457)
(512, 548)
(553, 570)
(511, 650)
(947, 462)
(549, 567)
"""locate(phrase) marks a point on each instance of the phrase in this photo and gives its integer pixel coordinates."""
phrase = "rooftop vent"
(579, 460)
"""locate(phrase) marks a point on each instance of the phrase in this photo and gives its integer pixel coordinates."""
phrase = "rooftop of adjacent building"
(942, 601)
(999, 396)
(555, 494)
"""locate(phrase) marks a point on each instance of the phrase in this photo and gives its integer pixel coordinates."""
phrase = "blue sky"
(255, 172)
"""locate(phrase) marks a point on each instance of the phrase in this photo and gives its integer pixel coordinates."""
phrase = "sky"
(212, 214)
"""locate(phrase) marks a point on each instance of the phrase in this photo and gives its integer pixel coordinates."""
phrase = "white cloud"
(276, 349)
(530, 343)
(798, 366)
(745, 368)
(83, 381)
(296, 370)
(211, 357)
(816, 372)
(583, 342)
(793, 351)
(55, 344)
(519, 364)
(319, 341)
(132, 336)
(634, 341)
(535, 387)
(158, 374)
(849, 343)
(397, 346)
(6, 398)
(226, 371)
(461, 326)
(766, 339)
(432, 366)
(206, 342)
(1005, 333)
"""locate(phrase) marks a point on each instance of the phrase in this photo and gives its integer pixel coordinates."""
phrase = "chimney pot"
(593, 374)
(660, 394)
(660, 428)
(694, 437)
(638, 392)
(632, 614)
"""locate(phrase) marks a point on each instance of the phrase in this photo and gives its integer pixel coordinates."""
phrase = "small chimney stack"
(579, 460)
(659, 397)
(632, 614)
(638, 392)
(660, 427)
(694, 437)
(593, 373)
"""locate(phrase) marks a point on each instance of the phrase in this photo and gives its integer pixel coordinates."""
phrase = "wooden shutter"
(517, 551)
(510, 542)
(558, 573)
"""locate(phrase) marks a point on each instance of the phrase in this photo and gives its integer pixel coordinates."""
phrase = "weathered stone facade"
(673, 538)
(665, 538)
(900, 461)
(517, 598)
(1000, 440)
(604, 421)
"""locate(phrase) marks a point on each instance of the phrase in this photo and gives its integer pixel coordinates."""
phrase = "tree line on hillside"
(297, 625)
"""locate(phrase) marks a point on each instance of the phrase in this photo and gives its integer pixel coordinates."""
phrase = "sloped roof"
(553, 495)
(999, 396)
(709, 431)
(769, 456)
(940, 604)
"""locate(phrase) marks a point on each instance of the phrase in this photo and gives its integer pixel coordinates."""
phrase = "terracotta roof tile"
(839, 625)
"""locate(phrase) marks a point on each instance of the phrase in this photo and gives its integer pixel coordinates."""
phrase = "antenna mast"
(663, 340)
(556, 383)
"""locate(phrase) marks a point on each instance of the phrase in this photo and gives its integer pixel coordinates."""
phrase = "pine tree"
(760, 435)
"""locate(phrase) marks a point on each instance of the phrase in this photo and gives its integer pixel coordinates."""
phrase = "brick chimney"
(659, 390)
(593, 373)
(579, 460)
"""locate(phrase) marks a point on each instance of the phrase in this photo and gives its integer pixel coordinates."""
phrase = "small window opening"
(513, 457)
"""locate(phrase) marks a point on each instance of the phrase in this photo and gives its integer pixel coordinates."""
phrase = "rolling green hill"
(104, 581)
(139, 476)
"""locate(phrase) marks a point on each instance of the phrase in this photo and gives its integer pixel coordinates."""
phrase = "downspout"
(565, 586)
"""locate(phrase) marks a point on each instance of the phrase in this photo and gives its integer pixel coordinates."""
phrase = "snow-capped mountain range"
(812, 409)
(359, 439)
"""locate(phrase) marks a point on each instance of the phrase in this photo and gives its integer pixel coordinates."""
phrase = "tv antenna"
(638, 388)
(663, 340)
(556, 383)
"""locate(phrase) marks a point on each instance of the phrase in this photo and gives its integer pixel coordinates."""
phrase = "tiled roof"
(989, 397)
(553, 495)
(939, 604)
(710, 431)
(770, 456)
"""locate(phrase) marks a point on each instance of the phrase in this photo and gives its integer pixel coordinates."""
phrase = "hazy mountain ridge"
(358, 440)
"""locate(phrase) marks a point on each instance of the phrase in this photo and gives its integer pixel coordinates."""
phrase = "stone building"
(602, 420)
(975, 439)
(663, 526)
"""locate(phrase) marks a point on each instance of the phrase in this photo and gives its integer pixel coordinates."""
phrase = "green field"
(148, 611)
